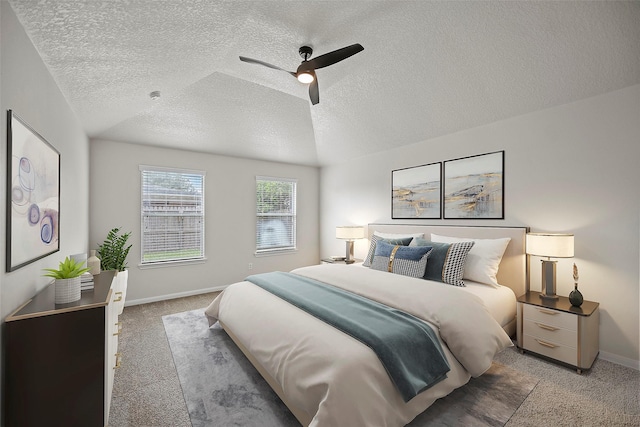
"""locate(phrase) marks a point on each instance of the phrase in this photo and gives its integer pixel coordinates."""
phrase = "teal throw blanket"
(407, 347)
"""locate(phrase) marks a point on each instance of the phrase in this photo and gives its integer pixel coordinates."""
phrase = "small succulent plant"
(68, 269)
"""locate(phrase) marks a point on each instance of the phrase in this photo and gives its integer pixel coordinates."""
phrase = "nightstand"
(559, 331)
(333, 261)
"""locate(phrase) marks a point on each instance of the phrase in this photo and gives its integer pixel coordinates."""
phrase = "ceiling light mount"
(305, 52)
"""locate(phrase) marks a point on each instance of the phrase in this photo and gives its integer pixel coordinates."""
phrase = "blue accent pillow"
(407, 260)
(446, 263)
(372, 247)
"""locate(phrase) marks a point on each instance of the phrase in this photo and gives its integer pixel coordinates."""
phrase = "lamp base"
(548, 280)
(349, 258)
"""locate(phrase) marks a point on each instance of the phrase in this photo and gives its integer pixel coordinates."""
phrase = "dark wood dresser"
(60, 358)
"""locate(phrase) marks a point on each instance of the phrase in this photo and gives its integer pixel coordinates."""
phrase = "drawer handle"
(119, 329)
(119, 297)
(546, 344)
(118, 361)
(547, 327)
(553, 313)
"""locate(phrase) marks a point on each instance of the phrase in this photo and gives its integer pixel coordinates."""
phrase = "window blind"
(172, 215)
(276, 214)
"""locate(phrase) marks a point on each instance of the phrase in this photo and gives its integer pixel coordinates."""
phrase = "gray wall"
(229, 210)
(573, 168)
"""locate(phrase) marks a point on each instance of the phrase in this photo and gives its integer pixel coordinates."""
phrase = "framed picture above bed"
(417, 192)
(474, 187)
(33, 195)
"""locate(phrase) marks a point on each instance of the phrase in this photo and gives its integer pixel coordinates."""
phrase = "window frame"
(293, 215)
(174, 261)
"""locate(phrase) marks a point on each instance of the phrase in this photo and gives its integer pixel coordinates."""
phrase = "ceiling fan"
(306, 71)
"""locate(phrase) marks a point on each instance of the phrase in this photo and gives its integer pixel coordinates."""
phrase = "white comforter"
(333, 377)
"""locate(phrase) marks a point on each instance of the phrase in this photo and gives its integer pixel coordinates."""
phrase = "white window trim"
(179, 262)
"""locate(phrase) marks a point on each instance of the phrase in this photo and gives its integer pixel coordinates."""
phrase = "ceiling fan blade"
(335, 56)
(255, 61)
(314, 93)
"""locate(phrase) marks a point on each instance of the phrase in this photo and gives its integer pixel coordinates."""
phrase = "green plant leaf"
(112, 252)
(67, 269)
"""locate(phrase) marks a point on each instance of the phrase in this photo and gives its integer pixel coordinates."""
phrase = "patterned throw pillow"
(484, 258)
(372, 247)
(446, 263)
(405, 260)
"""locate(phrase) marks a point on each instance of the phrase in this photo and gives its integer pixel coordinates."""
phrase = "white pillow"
(399, 236)
(483, 259)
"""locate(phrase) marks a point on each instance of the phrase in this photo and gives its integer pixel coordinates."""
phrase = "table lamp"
(349, 233)
(551, 246)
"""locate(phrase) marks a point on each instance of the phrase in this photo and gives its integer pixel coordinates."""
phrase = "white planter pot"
(120, 288)
(67, 290)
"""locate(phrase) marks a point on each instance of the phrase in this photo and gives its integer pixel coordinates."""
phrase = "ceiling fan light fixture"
(306, 72)
(306, 77)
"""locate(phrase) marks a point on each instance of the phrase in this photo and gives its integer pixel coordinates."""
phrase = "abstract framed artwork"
(416, 192)
(33, 195)
(474, 187)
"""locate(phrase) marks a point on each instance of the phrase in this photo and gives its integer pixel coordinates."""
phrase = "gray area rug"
(222, 388)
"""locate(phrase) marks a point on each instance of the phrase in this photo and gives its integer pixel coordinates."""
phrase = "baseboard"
(173, 296)
(619, 360)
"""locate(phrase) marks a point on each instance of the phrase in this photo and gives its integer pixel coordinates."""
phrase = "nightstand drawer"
(550, 333)
(554, 350)
(550, 317)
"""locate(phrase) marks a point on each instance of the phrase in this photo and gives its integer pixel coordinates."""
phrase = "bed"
(328, 378)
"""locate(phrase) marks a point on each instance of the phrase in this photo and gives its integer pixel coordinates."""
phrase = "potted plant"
(67, 280)
(113, 254)
(113, 251)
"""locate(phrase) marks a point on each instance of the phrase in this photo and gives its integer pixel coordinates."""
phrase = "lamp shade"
(550, 245)
(350, 232)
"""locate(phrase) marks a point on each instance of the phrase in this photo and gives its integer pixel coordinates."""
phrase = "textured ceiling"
(428, 68)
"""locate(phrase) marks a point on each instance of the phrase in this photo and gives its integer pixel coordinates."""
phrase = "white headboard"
(513, 267)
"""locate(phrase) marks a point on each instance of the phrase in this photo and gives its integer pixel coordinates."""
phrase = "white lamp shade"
(350, 232)
(550, 245)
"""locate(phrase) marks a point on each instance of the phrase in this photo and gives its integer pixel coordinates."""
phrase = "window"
(172, 215)
(275, 214)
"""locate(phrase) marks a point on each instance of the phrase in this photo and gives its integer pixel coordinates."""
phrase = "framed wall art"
(33, 195)
(474, 187)
(416, 192)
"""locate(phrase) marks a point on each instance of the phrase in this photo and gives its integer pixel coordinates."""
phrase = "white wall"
(27, 88)
(573, 168)
(229, 209)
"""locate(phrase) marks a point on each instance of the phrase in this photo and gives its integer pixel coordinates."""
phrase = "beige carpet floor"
(147, 390)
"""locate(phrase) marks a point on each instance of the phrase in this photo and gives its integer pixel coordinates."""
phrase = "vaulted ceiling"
(428, 68)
